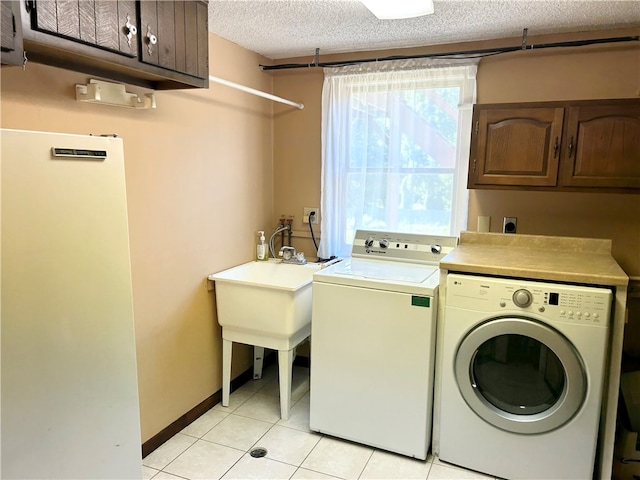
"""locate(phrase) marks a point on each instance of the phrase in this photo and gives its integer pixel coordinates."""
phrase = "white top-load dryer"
(373, 340)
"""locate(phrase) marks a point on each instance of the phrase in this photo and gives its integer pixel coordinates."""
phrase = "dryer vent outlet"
(509, 225)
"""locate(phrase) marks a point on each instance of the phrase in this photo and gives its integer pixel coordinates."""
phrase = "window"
(395, 146)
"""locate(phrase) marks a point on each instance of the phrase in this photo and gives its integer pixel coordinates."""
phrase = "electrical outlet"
(509, 225)
(307, 212)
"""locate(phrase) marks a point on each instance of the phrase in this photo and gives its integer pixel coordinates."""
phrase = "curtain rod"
(253, 91)
(471, 53)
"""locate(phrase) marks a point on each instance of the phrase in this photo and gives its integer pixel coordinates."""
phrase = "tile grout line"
(367, 463)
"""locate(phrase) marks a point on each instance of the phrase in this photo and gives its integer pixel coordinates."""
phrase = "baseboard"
(192, 415)
(207, 404)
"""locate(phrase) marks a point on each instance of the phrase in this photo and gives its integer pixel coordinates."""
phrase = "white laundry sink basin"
(265, 303)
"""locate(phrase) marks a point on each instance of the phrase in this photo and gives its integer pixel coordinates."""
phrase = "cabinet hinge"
(477, 126)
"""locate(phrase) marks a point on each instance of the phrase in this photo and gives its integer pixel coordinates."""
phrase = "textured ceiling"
(295, 28)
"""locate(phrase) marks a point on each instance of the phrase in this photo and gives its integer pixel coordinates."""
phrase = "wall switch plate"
(307, 213)
(509, 225)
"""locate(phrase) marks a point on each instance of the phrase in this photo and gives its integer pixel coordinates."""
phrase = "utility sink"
(267, 299)
(267, 305)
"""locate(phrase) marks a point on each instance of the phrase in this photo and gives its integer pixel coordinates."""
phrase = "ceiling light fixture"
(396, 9)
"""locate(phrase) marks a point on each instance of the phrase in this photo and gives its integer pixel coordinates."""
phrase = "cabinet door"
(515, 146)
(103, 23)
(174, 35)
(602, 146)
(11, 33)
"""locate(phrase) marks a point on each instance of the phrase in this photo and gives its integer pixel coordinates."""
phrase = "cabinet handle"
(151, 40)
(556, 147)
(570, 147)
(129, 30)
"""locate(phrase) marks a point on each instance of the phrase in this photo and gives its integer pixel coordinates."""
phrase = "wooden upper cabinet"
(11, 33)
(516, 146)
(158, 44)
(105, 24)
(172, 35)
(603, 148)
(588, 145)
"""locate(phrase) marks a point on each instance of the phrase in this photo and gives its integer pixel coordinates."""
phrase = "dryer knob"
(522, 298)
(368, 242)
(384, 243)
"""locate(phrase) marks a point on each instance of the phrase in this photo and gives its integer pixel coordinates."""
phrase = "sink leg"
(258, 357)
(285, 365)
(227, 347)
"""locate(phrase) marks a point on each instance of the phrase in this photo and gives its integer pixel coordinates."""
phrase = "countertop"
(567, 259)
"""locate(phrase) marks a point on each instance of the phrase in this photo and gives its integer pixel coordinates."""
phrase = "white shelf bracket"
(115, 94)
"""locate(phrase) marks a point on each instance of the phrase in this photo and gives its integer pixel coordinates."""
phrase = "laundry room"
(207, 167)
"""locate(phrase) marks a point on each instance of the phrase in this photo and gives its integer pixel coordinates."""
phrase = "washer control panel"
(571, 303)
(410, 247)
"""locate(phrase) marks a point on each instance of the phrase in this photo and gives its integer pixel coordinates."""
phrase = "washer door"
(520, 375)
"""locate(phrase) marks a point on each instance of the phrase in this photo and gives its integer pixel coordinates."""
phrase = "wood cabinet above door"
(155, 44)
(590, 145)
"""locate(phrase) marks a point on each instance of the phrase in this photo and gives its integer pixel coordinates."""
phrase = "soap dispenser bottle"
(261, 250)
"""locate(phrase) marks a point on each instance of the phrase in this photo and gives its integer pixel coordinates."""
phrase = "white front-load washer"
(522, 373)
(373, 330)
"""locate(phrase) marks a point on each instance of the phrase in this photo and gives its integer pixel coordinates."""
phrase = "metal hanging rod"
(485, 52)
(253, 91)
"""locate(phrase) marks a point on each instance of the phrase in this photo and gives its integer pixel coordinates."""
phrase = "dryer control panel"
(559, 302)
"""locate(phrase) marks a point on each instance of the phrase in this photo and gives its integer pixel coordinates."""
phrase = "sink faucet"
(289, 255)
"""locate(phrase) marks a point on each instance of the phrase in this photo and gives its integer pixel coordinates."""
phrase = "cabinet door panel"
(127, 14)
(203, 39)
(68, 18)
(181, 36)
(107, 24)
(166, 35)
(7, 27)
(516, 146)
(87, 20)
(604, 147)
(191, 38)
(182, 46)
(45, 17)
(149, 28)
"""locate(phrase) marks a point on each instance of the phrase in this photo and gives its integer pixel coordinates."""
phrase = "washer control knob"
(541, 309)
(384, 243)
(368, 242)
(503, 304)
(436, 248)
(522, 298)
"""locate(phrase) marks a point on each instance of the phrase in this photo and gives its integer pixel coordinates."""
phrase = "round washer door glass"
(520, 375)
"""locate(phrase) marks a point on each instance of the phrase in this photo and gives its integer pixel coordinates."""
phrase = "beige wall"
(605, 71)
(199, 184)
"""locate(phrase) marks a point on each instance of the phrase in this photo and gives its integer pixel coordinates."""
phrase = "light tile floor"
(217, 445)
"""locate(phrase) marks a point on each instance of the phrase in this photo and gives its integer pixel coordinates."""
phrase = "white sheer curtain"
(395, 147)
